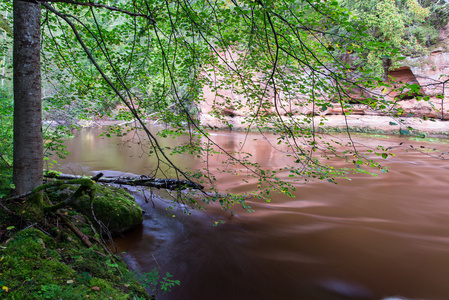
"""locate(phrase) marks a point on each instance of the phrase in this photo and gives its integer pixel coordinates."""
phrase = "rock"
(430, 71)
(114, 207)
(425, 109)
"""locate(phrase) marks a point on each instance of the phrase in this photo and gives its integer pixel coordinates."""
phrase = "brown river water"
(368, 238)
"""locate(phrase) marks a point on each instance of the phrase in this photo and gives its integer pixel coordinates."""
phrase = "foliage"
(155, 283)
(404, 27)
(437, 19)
(156, 59)
(4, 24)
(5, 47)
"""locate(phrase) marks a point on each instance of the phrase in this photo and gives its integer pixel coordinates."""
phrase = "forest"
(271, 66)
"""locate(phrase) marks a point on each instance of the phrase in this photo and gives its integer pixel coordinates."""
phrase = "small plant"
(51, 291)
(153, 281)
(111, 263)
(167, 284)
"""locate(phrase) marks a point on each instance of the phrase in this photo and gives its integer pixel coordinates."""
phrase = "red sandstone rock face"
(400, 78)
(431, 71)
(230, 102)
(428, 72)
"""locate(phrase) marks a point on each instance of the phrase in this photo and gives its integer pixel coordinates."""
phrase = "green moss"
(29, 261)
(32, 209)
(52, 173)
(36, 266)
(81, 181)
(114, 207)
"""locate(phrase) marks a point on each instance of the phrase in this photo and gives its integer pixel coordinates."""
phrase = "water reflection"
(131, 153)
(368, 238)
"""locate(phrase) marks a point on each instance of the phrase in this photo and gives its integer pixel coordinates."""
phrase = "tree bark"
(28, 143)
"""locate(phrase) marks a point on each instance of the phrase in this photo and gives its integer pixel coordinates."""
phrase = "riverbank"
(331, 123)
(361, 123)
(352, 123)
(63, 254)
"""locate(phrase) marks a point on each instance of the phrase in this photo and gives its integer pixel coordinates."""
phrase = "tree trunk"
(28, 143)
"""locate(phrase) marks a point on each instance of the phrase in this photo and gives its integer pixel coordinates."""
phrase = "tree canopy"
(157, 57)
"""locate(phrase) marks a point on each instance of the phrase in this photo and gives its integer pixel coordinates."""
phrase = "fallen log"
(138, 180)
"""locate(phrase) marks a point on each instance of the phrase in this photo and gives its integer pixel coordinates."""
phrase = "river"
(368, 238)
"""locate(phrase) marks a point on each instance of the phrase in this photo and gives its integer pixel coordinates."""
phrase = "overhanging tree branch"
(94, 4)
(152, 138)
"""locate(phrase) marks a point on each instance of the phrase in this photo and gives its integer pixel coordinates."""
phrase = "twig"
(7, 210)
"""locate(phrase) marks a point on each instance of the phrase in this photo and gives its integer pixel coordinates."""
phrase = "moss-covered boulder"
(114, 207)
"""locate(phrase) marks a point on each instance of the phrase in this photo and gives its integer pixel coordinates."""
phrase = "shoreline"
(370, 124)
(353, 123)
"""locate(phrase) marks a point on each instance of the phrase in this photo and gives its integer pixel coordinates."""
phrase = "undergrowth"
(44, 259)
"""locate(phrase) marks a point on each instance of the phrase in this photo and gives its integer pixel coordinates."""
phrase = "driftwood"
(142, 180)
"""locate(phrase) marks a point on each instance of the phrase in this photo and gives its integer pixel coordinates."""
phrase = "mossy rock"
(114, 207)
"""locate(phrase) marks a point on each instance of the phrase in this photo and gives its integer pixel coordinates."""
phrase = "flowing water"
(368, 238)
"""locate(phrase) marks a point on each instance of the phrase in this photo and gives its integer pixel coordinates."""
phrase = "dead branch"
(142, 180)
(76, 231)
